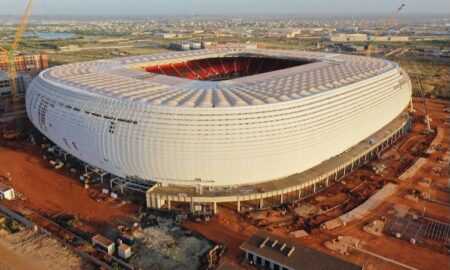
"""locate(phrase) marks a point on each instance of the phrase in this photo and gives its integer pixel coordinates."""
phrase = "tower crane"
(12, 73)
(387, 23)
(426, 118)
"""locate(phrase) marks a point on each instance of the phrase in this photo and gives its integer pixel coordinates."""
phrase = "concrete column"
(261, 203)
(156, 202)
(192, 207)
(238, 205)
(168, 204)
(314, 188)
(281, 198)
(300, 193)
(151, 201)
(215, 208)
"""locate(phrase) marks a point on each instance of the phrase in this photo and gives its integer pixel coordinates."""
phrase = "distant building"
(69, 48)
(276, 253)
(389, 38)
(284, 33)
(23, 80)
(180, 46)
(232, 45)
(348, 30)
(25, 62)
(342, 37)
(185, 45)
(195, 45)
(432, 52)
(167, 35)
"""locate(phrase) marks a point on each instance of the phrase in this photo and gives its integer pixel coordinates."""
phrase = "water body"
(50, 35)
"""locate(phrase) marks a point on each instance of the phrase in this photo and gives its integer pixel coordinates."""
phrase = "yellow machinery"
(389, 22)
(12, 74)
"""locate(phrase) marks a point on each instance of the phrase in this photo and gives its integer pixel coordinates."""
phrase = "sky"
(203, 7)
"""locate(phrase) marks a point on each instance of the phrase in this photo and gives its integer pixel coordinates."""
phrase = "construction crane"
(12, 73)
(426, 118)
(387, 23)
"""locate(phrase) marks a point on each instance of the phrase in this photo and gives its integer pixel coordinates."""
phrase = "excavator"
(389, 22)
(12, 74)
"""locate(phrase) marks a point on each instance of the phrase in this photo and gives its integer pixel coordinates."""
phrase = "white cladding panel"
(220, 146)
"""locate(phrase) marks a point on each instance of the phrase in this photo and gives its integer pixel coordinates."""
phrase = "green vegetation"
(434, 76)
(49, 44)
(95, 54)
(10, 226)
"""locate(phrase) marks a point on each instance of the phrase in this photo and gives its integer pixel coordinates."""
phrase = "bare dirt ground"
(27, 250)
(232, 230)
(46, 194)
(50, 192)
(43, 192)
(226, 228)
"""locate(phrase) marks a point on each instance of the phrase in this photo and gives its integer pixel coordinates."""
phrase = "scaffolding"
(131, 184)
(89, 169)
(60, 153)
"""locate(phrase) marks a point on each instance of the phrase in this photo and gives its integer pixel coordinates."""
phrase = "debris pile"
(166, 246)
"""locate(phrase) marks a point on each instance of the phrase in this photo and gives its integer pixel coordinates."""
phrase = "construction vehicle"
(12, 73)
(426, 118)
(387, 23)
(12, 135)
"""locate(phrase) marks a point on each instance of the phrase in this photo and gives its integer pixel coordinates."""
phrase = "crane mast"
(387, 23)
(426, 118)
(12, 72)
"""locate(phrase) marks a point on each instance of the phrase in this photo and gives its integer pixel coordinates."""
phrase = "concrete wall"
(17, 217)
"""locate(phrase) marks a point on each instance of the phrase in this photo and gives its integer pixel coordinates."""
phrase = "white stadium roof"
(125, 79)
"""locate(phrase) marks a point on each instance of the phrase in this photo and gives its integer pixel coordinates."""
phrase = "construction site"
(396, 202)
(384, 215)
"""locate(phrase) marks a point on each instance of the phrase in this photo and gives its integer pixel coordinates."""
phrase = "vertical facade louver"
(131, 123)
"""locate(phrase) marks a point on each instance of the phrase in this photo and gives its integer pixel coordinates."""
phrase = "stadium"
(212, 126)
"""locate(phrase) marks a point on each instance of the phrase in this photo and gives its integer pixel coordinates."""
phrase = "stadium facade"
(217, 118)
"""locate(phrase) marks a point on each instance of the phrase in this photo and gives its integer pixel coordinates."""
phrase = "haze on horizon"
(228, 7)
